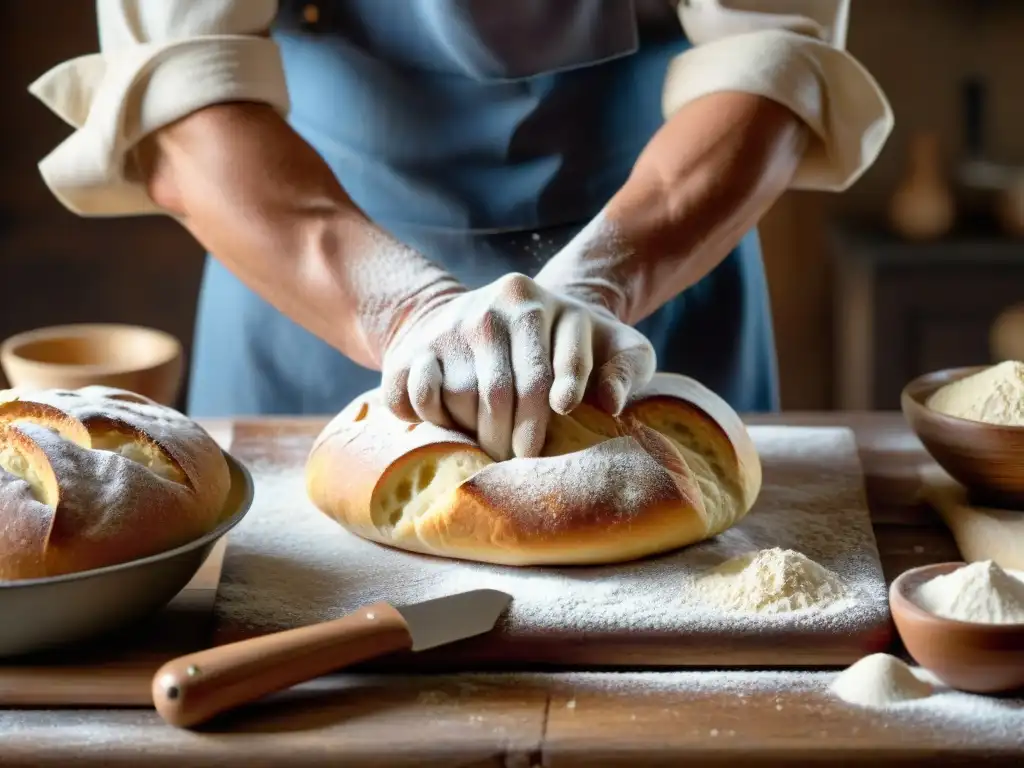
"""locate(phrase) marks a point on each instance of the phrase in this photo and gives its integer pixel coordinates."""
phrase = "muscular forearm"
(266, 205)
(704, 180)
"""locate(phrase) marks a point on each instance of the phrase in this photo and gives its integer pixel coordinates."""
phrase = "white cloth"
(792, 51)
(160, 60)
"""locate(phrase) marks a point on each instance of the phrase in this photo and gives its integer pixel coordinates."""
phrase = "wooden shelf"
(905, 308)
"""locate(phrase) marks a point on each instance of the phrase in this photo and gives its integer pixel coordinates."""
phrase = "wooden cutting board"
(981, 533)
(288, 565)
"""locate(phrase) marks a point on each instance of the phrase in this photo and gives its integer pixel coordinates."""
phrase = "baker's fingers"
(459, 390)
(572, 359)
(425, 379)
(631, 366)
(394, 388)
(495, 388)
(620, 376)
(530, 349)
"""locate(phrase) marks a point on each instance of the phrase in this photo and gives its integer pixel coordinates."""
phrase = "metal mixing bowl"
(38, 614)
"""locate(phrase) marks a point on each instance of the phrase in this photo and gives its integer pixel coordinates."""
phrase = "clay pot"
(142, 360)
(923, 206)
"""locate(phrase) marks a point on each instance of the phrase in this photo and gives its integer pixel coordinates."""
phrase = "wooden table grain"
(548, 718)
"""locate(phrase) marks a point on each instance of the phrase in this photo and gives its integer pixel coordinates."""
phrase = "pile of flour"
(880, 680)
(773, 580)
(994, 396)
(982, 593)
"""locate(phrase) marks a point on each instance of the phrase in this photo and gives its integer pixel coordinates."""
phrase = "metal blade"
(455, 617)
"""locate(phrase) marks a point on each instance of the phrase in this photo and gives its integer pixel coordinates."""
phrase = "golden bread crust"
(99, 476)
(677, 467)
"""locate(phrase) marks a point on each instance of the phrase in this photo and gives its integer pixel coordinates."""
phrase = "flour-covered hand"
(623, 359)
(497, 360)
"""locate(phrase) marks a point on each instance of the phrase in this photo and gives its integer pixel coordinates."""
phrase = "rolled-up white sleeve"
(159, 61)
(793, 52)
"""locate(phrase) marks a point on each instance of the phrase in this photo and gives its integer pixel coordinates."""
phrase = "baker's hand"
(497, 360)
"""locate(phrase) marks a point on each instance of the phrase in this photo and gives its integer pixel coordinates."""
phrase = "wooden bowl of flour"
(966, 655)
(988, 459)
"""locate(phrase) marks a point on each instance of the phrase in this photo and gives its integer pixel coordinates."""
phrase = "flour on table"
(288, 564)
(768, 581)
(925, 706)
(947, 718)
(879, 680)
(981, 592)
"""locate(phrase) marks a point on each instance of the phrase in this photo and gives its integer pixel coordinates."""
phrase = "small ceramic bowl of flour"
(971, 421)
(964, 623)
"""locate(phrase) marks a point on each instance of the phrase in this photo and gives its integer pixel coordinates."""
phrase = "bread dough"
(677, 467)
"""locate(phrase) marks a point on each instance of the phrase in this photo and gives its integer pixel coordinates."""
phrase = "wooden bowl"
(987, 459)
(978, 658)
(142, 360)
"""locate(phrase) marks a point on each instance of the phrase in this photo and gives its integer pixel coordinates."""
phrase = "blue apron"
(485, 134)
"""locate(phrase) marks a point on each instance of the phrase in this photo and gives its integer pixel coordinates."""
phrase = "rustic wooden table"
(565, 719)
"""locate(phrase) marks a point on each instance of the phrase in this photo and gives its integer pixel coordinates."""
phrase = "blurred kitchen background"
(918, 267)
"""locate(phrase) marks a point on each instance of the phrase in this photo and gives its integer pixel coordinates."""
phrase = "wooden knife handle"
(192, 689)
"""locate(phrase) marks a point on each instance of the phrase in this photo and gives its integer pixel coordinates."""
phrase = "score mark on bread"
(677, 467)
(99, 476)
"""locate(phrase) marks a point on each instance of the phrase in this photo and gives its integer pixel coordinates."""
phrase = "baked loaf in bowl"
(97, 476)
(677, 467)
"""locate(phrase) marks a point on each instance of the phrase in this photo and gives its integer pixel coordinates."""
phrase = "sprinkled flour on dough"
(288, 564)
(615, 476)
(879, 680)
(101, 486)
(769, 581)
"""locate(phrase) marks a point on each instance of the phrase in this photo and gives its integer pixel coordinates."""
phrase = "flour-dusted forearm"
(256, 195)
(767, 99)
(704, 180)
(182, 113)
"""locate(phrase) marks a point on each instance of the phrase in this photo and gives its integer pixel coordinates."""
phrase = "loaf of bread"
(98, 476)
(677, 467)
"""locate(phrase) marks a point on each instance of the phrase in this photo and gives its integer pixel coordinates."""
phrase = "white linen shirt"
(160, 60)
